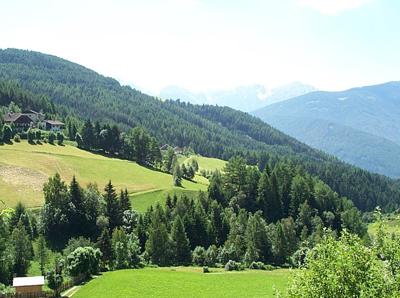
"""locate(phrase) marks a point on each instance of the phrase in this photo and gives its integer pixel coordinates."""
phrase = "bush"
(257, 266)
(199, 256)
(84, 261)
(60, 138)
(206, 270)
(233, 266)
(52, 137)
(17, 138)
(211, 256)
(31, 135)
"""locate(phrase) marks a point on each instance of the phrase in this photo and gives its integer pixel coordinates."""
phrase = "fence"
(65, 286)
(28, 295)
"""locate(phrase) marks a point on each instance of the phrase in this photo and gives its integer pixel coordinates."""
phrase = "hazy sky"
(200, 45)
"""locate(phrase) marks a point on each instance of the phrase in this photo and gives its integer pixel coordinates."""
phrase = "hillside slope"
(360, 125)
(211, 131)
(24, 168)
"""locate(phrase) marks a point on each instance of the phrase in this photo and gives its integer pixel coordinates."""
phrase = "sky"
(209, 45)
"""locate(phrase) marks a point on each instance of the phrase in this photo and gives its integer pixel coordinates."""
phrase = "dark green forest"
(78, 93)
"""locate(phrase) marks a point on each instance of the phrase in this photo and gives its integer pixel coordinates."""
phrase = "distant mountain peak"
(244, 98)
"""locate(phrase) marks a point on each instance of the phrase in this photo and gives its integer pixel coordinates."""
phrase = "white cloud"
(333, 7)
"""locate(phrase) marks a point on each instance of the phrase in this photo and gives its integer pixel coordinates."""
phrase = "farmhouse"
(31, 118)
(19, 120)
(35, 116)
(53, 125)
(28, 285)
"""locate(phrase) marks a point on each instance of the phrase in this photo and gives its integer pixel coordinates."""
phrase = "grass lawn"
(24, 168)
(205, 163)
(184, 282)
(392, 225)
(142, 201)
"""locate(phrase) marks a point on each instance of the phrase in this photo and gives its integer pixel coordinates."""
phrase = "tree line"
(79, 93)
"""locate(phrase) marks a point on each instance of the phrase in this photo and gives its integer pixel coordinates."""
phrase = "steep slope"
(24, 168)
(211, 131)
(360, 125)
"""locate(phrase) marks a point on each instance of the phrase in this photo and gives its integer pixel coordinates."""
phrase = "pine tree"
(42, 254)
(22, 250)
(158, 245)
(104, 244)
(124, 201)
(113, 211)
(77, 213)
(181, 242)
(88, 135)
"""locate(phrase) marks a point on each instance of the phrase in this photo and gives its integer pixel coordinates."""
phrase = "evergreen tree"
(125, 201)
(113, 211)
(42, 254)
(77, 212)
(22, 250)
(182, 254)
(158, 245)
(88, 136)
(104, 244)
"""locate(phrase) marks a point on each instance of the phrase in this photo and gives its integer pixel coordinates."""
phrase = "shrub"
(17, 138)
(233, 266)
(60, 138)
(31, 135)
(211, 256)
(257, 266)
(52, 137)
(206, 270)
(83, 261)
(199, 256)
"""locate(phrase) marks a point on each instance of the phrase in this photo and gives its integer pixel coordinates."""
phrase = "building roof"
(28, 281)
(13, 117)
(32, 112)
(53, 122)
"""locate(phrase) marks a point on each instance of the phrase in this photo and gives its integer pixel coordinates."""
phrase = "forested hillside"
(360, 125)
(211, 131)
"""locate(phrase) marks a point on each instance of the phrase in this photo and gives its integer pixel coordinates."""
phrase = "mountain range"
(244, 98)
(78, 93)
(361, 125)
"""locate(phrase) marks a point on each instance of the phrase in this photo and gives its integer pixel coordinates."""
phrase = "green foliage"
(211, 131)
(182, 254)
(233, 266)
(51, 137)
(22, 249)
(83, 261)
(60, 138)
(343, 268)
(199, 256)
(42, 254)
(55, 276)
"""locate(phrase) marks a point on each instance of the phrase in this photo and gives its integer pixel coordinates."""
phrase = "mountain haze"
(244, 98)
(360, 125)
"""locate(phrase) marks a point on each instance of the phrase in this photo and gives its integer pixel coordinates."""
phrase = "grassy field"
(24, 168)
(184, 282)
(392, 223)
(205, 163)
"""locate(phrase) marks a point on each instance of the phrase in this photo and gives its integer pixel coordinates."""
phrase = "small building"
(35, 116)
(178, 150)
(19, 120)
(28, 285)
(54, 125)
(164, 147)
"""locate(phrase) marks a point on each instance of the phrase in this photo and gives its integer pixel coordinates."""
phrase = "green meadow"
(205, 163)
(185, 282)
(24, 168)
